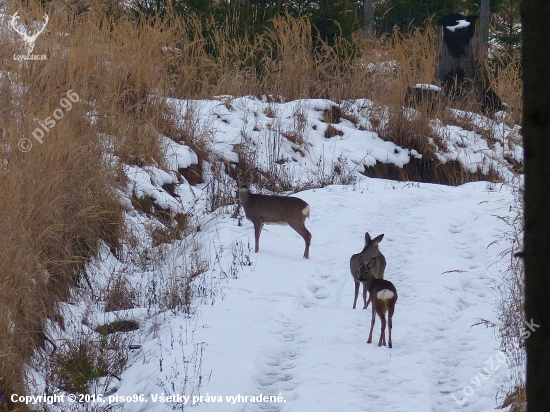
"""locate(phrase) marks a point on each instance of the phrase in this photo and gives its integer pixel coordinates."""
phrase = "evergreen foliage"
(506, 29)
(330, 18)
(407, 14)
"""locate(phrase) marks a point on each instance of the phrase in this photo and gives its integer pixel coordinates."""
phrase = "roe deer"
(383, 295)
(282, 210)
(373, 260)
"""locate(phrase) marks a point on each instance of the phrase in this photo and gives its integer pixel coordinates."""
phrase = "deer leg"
(307, 238)
(356, 294)
(390, 316)
(302, 231)
(365, 302)
(372, 324)
(257, 230)
(382, 340)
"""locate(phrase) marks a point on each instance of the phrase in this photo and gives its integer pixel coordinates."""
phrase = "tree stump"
(461, 56)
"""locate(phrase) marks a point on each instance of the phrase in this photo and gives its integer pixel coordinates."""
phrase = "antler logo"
(28, 39)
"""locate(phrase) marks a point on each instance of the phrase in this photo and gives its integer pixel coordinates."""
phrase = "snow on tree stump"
(423, 95)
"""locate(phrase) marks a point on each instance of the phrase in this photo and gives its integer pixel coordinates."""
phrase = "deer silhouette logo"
(28, 39)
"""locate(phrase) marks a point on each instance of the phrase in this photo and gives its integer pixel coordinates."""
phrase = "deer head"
(374, 263)
(28, 39)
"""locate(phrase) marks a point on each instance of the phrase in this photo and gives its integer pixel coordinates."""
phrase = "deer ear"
(238, 171)
(253, 172)
(377, 239)
(367, 238)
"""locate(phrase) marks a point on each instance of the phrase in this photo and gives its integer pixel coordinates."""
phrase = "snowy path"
(287, 326)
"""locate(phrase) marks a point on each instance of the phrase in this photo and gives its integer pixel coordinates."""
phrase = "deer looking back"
(374, 263)
(282, 210)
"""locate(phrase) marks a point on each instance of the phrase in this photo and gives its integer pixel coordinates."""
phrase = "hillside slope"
(205, 316)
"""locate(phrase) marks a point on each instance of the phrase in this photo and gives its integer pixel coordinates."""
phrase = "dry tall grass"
(511, 314)
(505, 79)
(58, 198)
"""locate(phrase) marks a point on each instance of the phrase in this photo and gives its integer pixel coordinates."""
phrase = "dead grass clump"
(145, 204)
(186, 286)
(193, 173)
(408, 129)
(350, 117)
(515, 166)
(270, 112)
(516, 399)
(505, 80)
(117, 326)
(209, 59)
(294, 136)
(333, 114)
(78, 364)
(422, 99)
(331, 131)
(174, 225)
(299, 128)
(466, 96)
(298, 150)
(468, 121)
(119, 295)
(174, 228)
(424, 170)
(189, 130)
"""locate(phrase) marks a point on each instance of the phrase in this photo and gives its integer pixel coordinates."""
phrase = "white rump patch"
(384, 294)
(306, 211)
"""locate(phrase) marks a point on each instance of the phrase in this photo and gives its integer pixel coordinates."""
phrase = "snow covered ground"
(278, 325)
(286, 327)
(259, 128)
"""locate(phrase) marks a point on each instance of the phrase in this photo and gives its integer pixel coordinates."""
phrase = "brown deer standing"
(375, 261)
(383, 295)
(282, 210)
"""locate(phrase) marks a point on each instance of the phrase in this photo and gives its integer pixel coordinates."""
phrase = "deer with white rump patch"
(373, 260)
(383, 295)
(282, 210)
